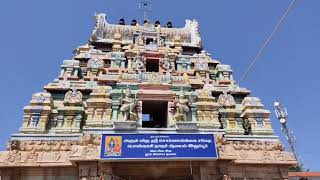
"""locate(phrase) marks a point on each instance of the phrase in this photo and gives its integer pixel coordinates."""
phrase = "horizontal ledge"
(74, 137)
(251, 137)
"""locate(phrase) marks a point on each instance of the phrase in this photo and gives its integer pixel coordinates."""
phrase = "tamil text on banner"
(158, 146)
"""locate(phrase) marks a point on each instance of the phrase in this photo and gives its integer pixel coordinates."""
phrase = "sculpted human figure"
(181, 103)
(138, 65)
(166, 65)
(128, 104)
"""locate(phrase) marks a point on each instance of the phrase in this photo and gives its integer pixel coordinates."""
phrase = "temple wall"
(172, 170)
(53, 173)
(222, 170)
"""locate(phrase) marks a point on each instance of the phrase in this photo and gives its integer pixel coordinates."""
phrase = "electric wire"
(267, 42)
(261, 50)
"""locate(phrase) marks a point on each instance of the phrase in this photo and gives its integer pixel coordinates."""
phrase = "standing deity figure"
(166, 65)
(128, 105)
(182, 106)
(138, 66)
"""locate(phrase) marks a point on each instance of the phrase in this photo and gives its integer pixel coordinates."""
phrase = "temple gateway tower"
(144, 102)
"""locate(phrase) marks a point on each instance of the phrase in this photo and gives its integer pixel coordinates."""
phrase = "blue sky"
(36, 36)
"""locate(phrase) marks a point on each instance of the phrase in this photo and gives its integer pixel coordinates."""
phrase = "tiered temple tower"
(137, 80)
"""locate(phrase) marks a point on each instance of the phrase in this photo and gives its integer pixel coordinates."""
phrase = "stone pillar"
(88, 170)
(69, 121)
(115, 105)
(77, 121)
(196, 174)
(129, 62)
(284, 172)
(99, 113)
(115, 109)
(232, 122)
(105, 170)
(112, 64)
(215, 119)
(139, 113)
(194, 113)
(107, 115)
(223, 170)
(90, 113)
(123, 64)
(10, 174)
(171, 121)
(209, 171)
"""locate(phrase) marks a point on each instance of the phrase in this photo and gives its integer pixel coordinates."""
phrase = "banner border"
(158, 159)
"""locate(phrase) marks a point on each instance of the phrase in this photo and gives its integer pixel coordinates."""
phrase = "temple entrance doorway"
(155, 170)
(154, 114)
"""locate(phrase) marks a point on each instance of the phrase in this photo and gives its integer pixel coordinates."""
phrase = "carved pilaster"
(171, 121)
(223, 170)
(88, 170)
(105, 168)
(130, 56)
(193, 113)
(115, 109)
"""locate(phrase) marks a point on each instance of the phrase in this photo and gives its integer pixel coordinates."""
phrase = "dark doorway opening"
(154, 114)
(152, 66)
(155, 170)
(149, 40)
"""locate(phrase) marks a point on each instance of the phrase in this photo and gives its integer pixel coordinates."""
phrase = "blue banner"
(158, 146)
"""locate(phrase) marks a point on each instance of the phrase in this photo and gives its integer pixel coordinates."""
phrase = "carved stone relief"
(254, 152)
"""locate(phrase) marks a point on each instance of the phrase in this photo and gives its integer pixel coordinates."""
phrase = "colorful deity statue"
(128, 106)
(182, 106)
(166, 65)
(138, 65)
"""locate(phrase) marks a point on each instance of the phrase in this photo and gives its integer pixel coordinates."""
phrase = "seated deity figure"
(166, 65)
(182, 108)
(138, 63)
(128, 105)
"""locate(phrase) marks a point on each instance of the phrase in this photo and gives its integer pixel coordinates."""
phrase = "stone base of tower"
(153, 170)
(79, 157)
(39, 173)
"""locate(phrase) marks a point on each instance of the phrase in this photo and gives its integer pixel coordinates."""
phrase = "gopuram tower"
(144, 102)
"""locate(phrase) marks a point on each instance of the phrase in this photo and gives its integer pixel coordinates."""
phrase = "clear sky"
(36, 36)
